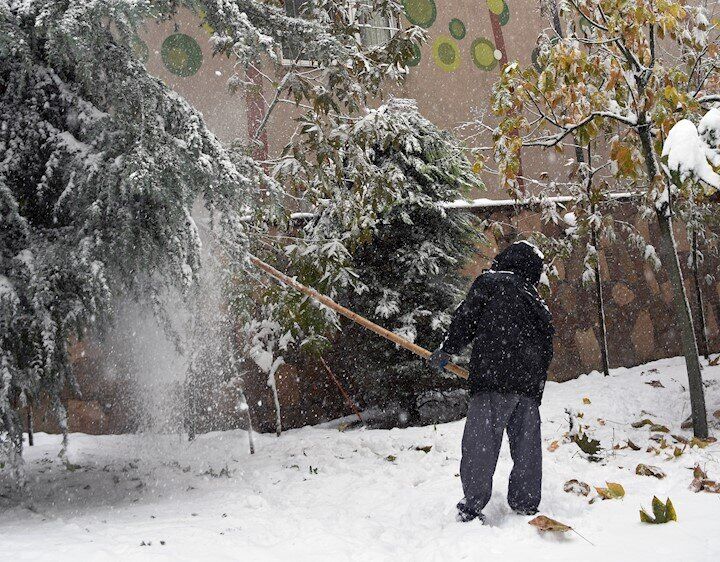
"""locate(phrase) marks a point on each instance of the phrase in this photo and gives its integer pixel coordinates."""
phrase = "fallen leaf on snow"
(655, 384)
(576, 487)
(614, 491)
(546, 524)
(641, 423)
(662, 512)
(648, 470)
(702, 443)
(553, 446)
(586, 400)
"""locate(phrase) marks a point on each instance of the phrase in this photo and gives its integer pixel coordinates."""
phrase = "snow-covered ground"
(324, 494)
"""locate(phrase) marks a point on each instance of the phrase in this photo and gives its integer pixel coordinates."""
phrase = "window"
(375, 30)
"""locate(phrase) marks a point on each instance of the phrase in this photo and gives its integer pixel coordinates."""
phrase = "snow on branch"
(688, 153)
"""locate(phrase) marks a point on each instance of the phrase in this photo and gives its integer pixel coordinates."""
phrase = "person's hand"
(438, 360)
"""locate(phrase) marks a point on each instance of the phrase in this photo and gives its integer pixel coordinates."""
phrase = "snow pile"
(688, 154)
(323, 494)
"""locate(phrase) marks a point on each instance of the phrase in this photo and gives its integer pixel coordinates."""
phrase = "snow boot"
(526, 512)
(465, 515)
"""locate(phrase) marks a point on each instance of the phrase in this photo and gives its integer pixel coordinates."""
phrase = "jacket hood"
(522, 258)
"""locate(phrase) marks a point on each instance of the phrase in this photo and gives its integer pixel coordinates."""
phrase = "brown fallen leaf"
(545, 524)
(632, 446)
(641, 423)
(553, 446)
(655, 384)
(659, 428)
(680, 439)
(576, 487)
(586, 400)
(699, 472)
(702, 443)
(716, 413)
(648, 470)
(700, 485)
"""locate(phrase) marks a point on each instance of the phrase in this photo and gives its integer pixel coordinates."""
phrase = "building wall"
(178, 52)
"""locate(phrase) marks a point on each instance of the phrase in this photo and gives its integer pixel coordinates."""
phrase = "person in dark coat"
(511, 332)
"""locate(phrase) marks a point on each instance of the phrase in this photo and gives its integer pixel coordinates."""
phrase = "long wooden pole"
(364, 322)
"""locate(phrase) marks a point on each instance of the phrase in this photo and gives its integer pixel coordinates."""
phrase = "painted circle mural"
(504, 16)
(140, 49)
(483, 54)
(420, 12)
(457, 28)
(496, 6)
(181, 54)
(446, 54)
(415, 60)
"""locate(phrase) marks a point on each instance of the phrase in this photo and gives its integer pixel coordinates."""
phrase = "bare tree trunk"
(30, 425)
(272, 383)
(705, 347)
(600, 302)
(595, 241)
(684, 319)
(669, 256)
(248, 422)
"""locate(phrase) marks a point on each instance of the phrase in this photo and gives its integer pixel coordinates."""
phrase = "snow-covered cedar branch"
(379, 240)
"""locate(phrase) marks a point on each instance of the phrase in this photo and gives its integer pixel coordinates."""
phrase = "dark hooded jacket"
(508, 325)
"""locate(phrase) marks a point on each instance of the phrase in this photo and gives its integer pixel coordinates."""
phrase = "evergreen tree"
(381, 241)
(101, 164)
(412, 264)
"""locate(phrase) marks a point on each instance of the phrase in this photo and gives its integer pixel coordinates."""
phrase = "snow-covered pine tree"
(412, 264)
(100, 165)
(380, 241)
(642, 75)
(327, 82)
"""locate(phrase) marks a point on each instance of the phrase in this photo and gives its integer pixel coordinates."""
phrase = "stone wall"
(638, 305)
(638, 300)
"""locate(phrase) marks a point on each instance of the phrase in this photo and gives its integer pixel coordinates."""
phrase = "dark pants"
(489, 415)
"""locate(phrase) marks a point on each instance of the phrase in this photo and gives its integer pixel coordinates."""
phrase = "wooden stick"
(364, 322)
(342, 390)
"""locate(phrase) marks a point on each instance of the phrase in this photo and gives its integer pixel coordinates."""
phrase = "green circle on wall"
(457, 28)
(504, 16)
(420, 12)
(181, 54)
(446, 54)
(416, 56)
(139, 49)
(496, 6)
(483, 54)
